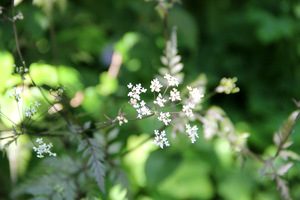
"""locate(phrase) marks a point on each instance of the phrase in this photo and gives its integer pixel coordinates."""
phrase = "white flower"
(121, 119)
(37, 104)
(143, 110)
(172, 81)
(160, 139)
(33, 110)
(195, 94)
(129, 85)
(28, 112)
(15, 94)
(187, 109)
(192, 132)
(39, 140)
(160, 101)
(174, 95)
(136, 91)
(164, 117)
(155, 85)
(134, 103)
(43, 148)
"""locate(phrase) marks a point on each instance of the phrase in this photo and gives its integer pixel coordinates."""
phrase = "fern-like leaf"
(91, 150)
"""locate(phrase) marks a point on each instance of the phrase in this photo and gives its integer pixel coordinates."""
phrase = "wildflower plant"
(167, 104)
(174, 104)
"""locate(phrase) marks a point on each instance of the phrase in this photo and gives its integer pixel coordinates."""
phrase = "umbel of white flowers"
(43, 148)
(161, 98)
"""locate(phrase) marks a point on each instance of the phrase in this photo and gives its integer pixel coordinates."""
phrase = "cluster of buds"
(228, 86)
(57, 93)
(21, 70)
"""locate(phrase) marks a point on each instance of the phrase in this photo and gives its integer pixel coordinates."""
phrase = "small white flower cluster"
(19, 16)
(43, 148)
(188, 109)
(228, 86)
(58, 92)
(162, 98)
(165, 118)
(1, 9)
(172, 81)
(160, 101)
(31, 110)
(192, 132)
(135, 100)
(121, 119)
(15, 94)
(160, 139)
(21, 70)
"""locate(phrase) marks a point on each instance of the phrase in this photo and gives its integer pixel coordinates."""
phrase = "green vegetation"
(81, 55)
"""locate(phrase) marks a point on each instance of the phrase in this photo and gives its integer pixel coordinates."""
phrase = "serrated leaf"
(98, 170)
(82, 145)
(114, 147)
(285, 168)
(93, 142)
(113, 134)
(90, 161)
(86, 152)
(69, 190)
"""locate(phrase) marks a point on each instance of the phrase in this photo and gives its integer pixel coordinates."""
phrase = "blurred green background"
(256, 41)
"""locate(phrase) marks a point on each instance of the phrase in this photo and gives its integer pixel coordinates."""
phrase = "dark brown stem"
(53, 40)
(166, 34)
(15, 33)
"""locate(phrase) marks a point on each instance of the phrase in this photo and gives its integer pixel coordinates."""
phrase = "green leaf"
(156, 170)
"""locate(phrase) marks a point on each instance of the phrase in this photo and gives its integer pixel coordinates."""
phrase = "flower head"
(43, 148)
(143, 110)
(172, 81)
(155, 85)
(136, 91)
(165, 118)
(192, 132)
(121, 119)
(195, 94)
(160, 139)
(160, 101)
(187, 109)
(174, 95)
(31, 110)
(15, 93)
